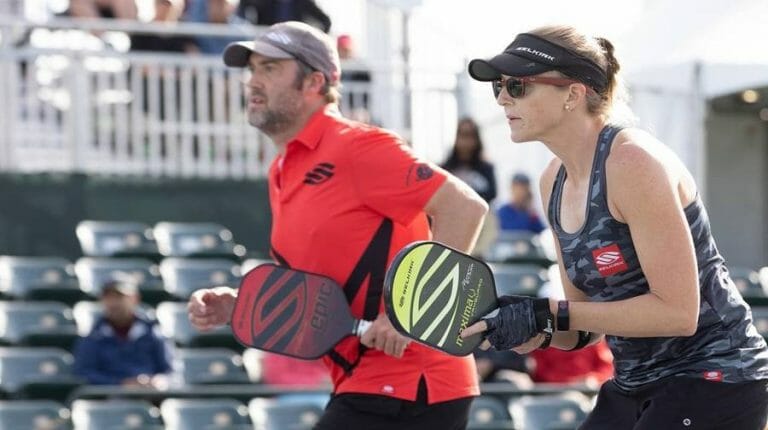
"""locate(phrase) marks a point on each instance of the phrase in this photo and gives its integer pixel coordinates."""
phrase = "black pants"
(681, 403)
(372, 412)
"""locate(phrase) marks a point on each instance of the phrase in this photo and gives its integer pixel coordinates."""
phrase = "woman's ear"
(576, 93)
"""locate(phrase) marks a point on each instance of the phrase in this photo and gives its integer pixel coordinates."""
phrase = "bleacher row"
(47, 302)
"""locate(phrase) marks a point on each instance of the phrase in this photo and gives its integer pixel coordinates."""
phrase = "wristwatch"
(563, 317)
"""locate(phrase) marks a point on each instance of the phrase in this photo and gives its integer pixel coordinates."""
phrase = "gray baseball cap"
(290, 39)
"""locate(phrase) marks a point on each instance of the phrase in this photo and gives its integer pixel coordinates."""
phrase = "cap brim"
(237, 54)
(504, 64)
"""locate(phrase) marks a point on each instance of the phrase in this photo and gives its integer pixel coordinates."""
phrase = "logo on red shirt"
(609, 260)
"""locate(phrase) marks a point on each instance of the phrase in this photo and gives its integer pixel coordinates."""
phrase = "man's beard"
(279, 117)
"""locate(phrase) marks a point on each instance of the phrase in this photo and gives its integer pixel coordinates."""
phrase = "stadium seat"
(760, 319)
(39, 278)
(252, 362)
(37, 372)
(205, 414)
(518, 279)
(274, 414)
(517, 247)
(37, 324)
(188, 239)
(182, 276)
(116, 239)
(174, 324)
(115, 415)
(747, 282)
(94, 272)
(489, 413)
(561, 412)
(33, 415)
(210, 366)
(252, 263)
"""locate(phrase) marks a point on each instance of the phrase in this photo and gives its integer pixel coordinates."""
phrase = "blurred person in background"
(115, 9)
(124, 347)
(467, 162)
(268, 12)
(518, 214)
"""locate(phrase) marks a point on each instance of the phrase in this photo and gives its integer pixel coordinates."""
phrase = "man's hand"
(211, 307)
(382, 335)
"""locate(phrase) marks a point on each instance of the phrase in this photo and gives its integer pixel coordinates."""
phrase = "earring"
(568, 108)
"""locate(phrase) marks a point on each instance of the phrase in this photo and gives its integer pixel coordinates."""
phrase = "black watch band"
(563, 317)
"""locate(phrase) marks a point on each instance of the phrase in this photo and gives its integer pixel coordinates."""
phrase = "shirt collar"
(313, 131)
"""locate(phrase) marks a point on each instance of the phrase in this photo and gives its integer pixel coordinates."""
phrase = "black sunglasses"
(516, 86)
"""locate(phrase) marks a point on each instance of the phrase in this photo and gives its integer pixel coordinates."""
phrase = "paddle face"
(432, 292)
(290, 312)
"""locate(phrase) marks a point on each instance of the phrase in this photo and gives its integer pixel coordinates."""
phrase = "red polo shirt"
(345, 198)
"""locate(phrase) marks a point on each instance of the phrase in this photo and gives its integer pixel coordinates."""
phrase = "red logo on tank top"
(609, 260)
(713, 375)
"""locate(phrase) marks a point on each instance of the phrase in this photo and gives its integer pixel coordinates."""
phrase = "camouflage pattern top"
(601, 261)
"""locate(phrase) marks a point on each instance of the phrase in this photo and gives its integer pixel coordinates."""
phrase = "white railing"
(106, 111)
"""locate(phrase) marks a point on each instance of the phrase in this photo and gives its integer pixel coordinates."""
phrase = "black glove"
(519, 319)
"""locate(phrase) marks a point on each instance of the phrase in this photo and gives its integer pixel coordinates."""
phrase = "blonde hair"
(610, 103)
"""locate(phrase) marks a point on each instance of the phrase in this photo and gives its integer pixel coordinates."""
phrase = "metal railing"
(87, 107)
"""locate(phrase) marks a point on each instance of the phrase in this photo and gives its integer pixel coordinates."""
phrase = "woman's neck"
(574, 144)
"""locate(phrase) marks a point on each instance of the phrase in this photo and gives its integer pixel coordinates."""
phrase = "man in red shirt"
(345, 198)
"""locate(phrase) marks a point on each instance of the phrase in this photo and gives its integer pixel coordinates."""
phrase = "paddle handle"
(361, 326)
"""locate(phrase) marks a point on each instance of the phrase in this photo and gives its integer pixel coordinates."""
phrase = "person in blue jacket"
(124, 347)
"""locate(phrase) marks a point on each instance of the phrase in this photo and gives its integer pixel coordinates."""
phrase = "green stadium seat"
(183, 276)
(37, 324)
(211, 366)
(115, 415)
(205, 414)
(116, 239)
(274, 414)
(33, 415)
(489, 413)
(549, 412)
(39, 278)
(37, 373)
(174, 324)
(94, 272)
(194, 240)
(518, 279)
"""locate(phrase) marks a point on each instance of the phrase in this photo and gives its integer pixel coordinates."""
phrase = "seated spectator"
(592, 365)
(518, 214)
(281, 370)
(268, 12)
(117, 9)
(212, 12)
(124, 347)
(166, 11)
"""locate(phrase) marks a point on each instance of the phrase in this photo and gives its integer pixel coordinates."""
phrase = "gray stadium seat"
(37, 372)
(252, 359)
(205, 414)
(188, 239)
(37, 324)
(518, 279)
(174, 324)
(115, 415)
(549, 412)
(489, 413)
(273, 414)
(760, 319)
(116, 239)
(210, 366)
(517, 246)
(39, 278)
(183, 276)
(94, 272)
(252, 263)
(33, 415)
(747, 282)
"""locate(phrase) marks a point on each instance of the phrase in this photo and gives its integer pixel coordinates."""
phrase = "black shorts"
(373, 412)
(681, 403)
